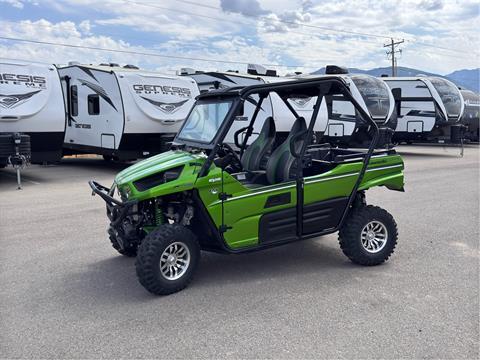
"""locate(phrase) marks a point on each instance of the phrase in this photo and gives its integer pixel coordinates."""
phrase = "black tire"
(130, 251)
(150, 251)
(108, 158)
(350, 235)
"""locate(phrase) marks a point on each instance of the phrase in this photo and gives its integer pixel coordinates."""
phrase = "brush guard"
(116, 209)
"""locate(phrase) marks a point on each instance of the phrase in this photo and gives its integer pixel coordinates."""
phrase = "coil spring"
(158, 215)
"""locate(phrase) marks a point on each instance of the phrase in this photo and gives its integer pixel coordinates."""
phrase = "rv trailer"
(31, 106)
(428, 109)
(470, 116)
(123, 113)
(344, 127)
(216, 80)
(337, 120)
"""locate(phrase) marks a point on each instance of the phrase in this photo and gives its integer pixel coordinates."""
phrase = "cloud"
(67, 32)
(270, 20)
(85, 27)
(15, 3)
(431, 5)
(118, 24)
(244, 7)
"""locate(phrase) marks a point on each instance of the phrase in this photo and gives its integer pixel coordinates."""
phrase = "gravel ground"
(65, 293)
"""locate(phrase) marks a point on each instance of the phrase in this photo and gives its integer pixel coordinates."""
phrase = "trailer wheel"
(129, 251)
(368, 236)
(167, 259)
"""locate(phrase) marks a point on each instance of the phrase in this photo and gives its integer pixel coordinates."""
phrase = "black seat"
(281, 162)
(257, 150)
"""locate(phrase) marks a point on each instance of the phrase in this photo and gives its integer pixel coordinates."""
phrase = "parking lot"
(65, 293)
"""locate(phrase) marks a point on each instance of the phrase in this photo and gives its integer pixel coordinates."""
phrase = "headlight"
(158, 178)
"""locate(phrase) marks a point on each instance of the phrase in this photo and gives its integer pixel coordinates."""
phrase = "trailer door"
(94, 106)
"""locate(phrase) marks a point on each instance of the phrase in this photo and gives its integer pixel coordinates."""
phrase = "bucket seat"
(257, 150)
(281, 163)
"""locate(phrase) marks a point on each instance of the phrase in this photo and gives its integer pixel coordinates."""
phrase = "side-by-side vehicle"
(205, 194)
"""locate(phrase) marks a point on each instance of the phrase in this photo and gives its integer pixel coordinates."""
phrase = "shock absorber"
(158, 213)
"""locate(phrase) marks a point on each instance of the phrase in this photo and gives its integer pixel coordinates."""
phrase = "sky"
(287, 35)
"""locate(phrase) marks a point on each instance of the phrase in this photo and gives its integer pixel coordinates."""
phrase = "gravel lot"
(65, 293)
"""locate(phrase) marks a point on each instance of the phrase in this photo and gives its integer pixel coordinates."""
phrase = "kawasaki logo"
(11, 101)
(168, 108)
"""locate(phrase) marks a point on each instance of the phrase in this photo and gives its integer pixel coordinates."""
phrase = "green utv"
(208, 194)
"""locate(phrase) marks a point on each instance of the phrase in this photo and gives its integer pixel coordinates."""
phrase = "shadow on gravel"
(113, 280)
(305, 257)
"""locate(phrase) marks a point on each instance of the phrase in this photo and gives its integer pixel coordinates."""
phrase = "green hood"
(155, 164)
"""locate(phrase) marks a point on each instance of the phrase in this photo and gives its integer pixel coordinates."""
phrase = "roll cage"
(319, 88)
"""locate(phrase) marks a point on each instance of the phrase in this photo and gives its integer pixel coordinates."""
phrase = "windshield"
(204, 121)
(375, 94)
(449, 94)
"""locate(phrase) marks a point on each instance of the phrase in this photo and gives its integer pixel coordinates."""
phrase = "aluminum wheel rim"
(174, 261)
(374, 236)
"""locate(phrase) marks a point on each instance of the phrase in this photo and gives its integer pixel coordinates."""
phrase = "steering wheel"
(232, 158)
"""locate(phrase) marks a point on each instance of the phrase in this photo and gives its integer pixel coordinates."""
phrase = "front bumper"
(116, 210)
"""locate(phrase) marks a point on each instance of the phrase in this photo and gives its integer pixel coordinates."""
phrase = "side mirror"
(237, 134)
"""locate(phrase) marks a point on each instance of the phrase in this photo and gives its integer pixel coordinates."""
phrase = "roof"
(120, 70)
(288, 88)
(410, 78)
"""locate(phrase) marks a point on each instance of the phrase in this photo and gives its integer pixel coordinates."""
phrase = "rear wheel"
(167, 259)
(369, 235)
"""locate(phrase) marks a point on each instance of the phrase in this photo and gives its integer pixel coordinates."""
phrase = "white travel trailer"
(343, 124)
(31, 103)
(213, 80)
(123, 112)
(428, 109)
(337, 119)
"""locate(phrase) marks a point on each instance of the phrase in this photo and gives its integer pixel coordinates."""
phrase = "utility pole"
(393, 44)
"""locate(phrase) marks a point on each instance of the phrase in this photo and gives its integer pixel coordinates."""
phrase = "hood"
(155, 164)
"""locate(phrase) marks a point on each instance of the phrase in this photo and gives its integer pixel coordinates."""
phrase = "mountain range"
(466, 79)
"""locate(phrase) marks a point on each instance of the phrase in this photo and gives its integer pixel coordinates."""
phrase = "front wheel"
(167, 259)
(368, 236)
(128, 249)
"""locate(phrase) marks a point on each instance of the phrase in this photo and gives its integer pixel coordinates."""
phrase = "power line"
(255, 17)
(417, 42)
(393, 44)
(155, 41)
(148, 54)
(143, 39)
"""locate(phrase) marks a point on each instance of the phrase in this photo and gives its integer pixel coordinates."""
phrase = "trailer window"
(375, 94)
(341, 109)
(449, 94)
(74, 100)
(93, 104)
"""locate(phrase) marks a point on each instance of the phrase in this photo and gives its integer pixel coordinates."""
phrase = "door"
(258, 215)
(324, 199)
(95, 108)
